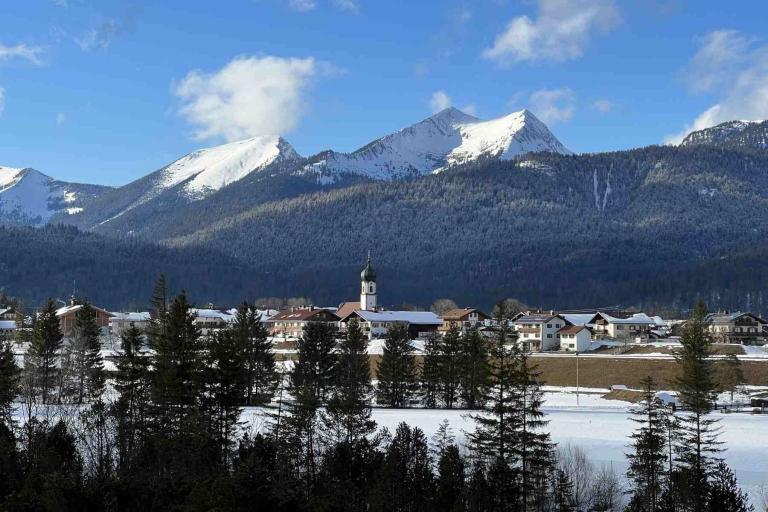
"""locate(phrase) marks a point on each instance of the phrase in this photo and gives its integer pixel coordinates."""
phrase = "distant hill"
(731, 135)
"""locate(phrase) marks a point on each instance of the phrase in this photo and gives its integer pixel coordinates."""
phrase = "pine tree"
(260, 361)
(562, 493)
(131, 381)
(431, 379)
(44, 350)
(406, 482)
(723, 493)
(647, 462)
(475, 372)
(225, 382)
(316, 362)
(533, 446)
(10, 375)
(450, 366)
(496, 435)
(176, 376)
(697, 391)
(397, 368)
(442, 439)
(82, 353)
(451, 482)
(348, 413)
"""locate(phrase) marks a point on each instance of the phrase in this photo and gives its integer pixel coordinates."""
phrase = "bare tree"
(573, 461)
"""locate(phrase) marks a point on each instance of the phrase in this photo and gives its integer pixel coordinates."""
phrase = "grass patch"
(624, 395)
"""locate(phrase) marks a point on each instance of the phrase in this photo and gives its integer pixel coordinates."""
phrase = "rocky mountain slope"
(731, 135)
(30, 197)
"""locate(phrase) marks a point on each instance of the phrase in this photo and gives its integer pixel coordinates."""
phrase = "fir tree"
(406, 481)
(131, 381)
(431, 379)
(225, 382)
(86, 367)
(296, 434)
(532, 445)
(450, 366)
(451, 482)
(348, 412)
(697, 390)
(44, 350)
(316, 362)
(723, 493)
(648, 459)
(562, 493)
(10, 375)
(397, 368)
(475, 372)
(261, 370)
(496, 435)
(175, 378)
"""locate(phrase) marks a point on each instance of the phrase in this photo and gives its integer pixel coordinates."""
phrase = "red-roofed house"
(574, 338)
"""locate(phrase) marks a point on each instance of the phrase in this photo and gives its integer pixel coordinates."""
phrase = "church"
(376, 321)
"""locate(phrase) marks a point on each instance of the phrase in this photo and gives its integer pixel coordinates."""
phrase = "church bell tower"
(368, 287)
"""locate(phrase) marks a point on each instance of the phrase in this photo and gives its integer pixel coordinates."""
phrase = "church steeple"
(368, 287)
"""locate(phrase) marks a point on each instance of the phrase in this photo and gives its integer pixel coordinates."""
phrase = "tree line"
(167, 427)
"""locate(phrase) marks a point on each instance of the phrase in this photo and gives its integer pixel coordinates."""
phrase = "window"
(549, 335)
(549, 326)
(370, 288)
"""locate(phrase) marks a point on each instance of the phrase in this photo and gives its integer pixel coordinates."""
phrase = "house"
(463, 318)
(574, 338)
(67, 315)
(376, 324)
(209, 320)
(538, 331)
(737, 327)
(291, 323)
(8, 314)
(622, 327)
(121, 322)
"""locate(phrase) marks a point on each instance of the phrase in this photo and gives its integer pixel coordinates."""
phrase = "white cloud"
(347, 5)
(553, 105)
(2, 100)
(249, 96)
(733, 68)
(603, 106)
(101, 37)
(469, 109)
(560, 32)
(439, 101)
(61, 118)
(31, 53)
(302, 5)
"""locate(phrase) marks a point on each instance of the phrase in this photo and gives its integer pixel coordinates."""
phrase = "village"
(538, 331)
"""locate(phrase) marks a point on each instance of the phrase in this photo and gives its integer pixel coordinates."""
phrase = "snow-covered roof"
(578, 318)
(140, 316)
(7, 325)
(211, 314)
(411, 317)
(72, 309)
(637, 318)
(535, 318)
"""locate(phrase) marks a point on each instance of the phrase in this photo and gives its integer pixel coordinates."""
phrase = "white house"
(574, 338)
(376, 324)
(209, 320)
(120, 322)
(624, 328)
(538, 331)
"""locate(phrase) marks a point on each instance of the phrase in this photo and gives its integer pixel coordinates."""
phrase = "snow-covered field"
(601, 427)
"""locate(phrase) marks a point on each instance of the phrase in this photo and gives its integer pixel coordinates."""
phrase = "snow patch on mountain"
(208, 170)
(29, 196)
(736, 133)
(446, 139)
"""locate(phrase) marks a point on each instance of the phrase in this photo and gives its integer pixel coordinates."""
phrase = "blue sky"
(108, 91)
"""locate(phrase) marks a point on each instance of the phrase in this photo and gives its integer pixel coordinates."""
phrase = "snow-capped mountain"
(208, 170)
(191, 178)
(28, 196)
(731, 134)
(443, 140)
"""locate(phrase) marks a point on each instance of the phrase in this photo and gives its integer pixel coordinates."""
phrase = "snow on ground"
(601, 427)
(755, 352)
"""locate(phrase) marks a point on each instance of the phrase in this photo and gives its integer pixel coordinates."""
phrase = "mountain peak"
(736, 134)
